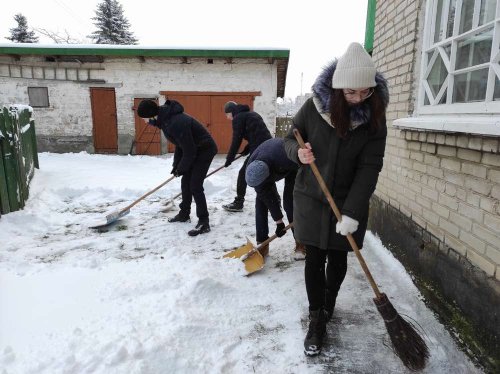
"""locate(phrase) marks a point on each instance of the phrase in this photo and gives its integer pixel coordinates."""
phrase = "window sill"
(479, 125)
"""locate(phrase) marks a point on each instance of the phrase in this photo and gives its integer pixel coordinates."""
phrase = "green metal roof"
(133, 50)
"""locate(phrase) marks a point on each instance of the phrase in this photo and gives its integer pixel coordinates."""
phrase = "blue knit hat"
(256, 173)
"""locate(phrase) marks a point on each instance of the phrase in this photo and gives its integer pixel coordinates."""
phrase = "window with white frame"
(460, 68)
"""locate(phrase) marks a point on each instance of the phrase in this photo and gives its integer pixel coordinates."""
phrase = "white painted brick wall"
(70, 109)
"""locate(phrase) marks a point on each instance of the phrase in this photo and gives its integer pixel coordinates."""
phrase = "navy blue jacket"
(186, 133)
(272, 152)
(247, 125)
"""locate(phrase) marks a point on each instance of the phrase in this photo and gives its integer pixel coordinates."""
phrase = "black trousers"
(261, 210)
(241, 183)
(319, 282)
(192, 183)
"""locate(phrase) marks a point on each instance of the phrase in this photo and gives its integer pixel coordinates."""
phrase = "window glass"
(38, 97)
(451, 18)
(471, 86)
(487, 11)
(437, 75)
(466, 16)
(496, 94)
(474, 50)
(437, 27)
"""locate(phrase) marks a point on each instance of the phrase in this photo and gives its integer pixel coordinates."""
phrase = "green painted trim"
(4, 192)
(370, 24)
(133, 51)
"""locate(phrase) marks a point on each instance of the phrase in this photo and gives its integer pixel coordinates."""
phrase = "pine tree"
(112, 26)
(20, 34)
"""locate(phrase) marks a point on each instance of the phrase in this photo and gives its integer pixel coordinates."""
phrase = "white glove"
(346, 226)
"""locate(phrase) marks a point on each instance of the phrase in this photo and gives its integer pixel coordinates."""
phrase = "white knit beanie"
(355, 69)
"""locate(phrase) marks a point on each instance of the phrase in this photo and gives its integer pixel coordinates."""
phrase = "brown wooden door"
(105, 131)
(147, 137)
(209, 110)
(197, 106)
(221, 128)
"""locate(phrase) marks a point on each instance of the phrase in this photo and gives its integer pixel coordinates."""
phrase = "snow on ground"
(144, 297)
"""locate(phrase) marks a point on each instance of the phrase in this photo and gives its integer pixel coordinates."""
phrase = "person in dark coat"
(250, 126)
(344, 127)
(194, 151)
(267, 165)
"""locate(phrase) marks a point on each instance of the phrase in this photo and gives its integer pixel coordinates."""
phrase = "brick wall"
(437, 202)
(449, 184)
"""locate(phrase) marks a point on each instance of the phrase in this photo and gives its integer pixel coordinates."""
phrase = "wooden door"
(104, 130)
(147, 137)
(197, 106)
(221, 128)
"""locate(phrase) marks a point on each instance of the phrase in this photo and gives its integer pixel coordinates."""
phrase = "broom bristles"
(407, 343)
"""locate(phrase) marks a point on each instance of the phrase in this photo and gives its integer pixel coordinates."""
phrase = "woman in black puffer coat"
(344, 127)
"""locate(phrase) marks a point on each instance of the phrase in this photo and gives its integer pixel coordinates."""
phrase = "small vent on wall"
(210, 61)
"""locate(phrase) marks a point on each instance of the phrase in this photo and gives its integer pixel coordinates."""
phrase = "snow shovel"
(170, 203)
(115, 216)
(250, 254)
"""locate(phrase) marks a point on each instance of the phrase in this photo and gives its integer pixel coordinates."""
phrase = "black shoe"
(235, 206)
(180, 217)
(317, 330)
(201, 228)
(330, 300)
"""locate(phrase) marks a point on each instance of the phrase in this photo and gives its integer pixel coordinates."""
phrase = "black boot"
(235, 206)
(180, 217)
(201, 228)
(317, 330)
(330, 300)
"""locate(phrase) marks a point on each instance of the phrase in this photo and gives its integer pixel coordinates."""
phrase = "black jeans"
(261, 210)
(192, 183)
(241, 183)
(317, 282)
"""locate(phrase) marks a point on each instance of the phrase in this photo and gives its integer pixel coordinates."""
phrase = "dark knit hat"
(256, 173)
(147, 109)
(229, 106)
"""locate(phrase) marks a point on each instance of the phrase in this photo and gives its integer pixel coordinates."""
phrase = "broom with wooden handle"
(408, 344)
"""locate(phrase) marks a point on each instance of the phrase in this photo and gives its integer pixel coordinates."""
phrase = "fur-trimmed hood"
(321, 94)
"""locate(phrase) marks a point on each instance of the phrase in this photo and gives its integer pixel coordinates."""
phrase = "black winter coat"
(349, 166)
(186, 133)
(247, 125)
(272, 152)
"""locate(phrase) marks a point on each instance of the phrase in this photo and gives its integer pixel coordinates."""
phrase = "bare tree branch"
(59, 38)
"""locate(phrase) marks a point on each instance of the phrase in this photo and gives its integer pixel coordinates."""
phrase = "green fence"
(18, 156)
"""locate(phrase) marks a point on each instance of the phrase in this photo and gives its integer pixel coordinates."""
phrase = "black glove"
(280, 229)
(176, 173)
(227, 163)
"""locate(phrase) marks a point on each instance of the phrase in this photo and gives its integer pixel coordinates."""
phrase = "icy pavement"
(143, 297)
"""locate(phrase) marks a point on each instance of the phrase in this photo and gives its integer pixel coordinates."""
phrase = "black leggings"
(317, 281)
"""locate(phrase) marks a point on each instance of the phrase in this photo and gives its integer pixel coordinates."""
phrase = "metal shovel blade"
(240, 251)
(112, 218)
(251, 257)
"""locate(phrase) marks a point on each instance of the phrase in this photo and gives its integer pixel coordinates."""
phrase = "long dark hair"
(340, 111)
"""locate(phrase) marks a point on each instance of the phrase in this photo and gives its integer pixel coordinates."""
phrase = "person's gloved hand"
(227, 163)
(347, 225)
(280, 229)
(174, 170)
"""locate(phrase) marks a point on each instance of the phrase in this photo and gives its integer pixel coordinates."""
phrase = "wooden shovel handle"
(337, 213)
(147, 194)
(209, 174)
(265, 242)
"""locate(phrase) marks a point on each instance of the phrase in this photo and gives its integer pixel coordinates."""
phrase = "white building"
(84, 96)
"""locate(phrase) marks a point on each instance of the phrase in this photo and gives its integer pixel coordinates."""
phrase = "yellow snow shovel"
(250, 254)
